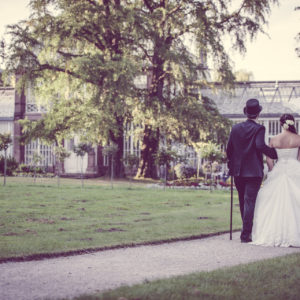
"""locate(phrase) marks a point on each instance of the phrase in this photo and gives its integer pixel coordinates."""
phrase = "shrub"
(178, 183)
(39, 170)
(201, 173)
(185, 171)
(207, 183)
(224, 184)
(24, 168)
(178, 171)
(31, 169)
(2, 164)
(228, 180)
(170, 174)
(196, 180)
(11, 164)
(9, 171)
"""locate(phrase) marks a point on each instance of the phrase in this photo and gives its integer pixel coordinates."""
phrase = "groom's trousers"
(247, 188)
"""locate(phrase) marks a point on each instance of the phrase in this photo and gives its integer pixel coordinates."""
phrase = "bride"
(277, 209)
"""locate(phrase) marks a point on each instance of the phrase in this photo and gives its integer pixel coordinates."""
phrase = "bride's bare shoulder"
(296, 138)
(274, 141)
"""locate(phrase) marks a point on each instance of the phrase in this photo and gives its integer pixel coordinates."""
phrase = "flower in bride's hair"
(285, 126)
(289, 122)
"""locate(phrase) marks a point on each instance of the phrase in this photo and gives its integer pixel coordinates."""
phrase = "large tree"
(78, 58)
(82, 57)
(171, 104)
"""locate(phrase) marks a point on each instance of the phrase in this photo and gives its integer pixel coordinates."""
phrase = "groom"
(245, 150)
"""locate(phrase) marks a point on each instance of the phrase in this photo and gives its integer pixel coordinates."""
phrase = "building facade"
(276, 98)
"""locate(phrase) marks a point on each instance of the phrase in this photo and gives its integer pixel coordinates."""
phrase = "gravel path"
(75, 275)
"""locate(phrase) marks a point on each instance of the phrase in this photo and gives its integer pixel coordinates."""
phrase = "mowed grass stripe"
(271, 279)
(47, 219)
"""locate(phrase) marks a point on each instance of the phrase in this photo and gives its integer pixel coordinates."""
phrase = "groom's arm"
(261, 145)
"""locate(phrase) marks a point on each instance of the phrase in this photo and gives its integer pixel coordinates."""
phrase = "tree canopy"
(81, 57)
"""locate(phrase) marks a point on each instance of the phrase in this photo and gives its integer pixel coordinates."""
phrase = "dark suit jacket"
(245, 149)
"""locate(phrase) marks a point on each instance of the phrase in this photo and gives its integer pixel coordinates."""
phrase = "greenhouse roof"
(276, 98)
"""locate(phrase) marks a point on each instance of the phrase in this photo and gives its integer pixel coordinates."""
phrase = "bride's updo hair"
(286, 120)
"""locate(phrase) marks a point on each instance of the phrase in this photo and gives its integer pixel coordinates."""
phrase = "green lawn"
(47, 219)
(263, 280)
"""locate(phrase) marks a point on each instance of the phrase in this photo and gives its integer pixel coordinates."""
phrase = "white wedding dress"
(277, 209)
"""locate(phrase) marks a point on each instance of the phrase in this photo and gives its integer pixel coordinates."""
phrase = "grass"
(46, 219)
(263, 280)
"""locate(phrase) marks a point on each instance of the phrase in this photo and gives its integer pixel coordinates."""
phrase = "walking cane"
(231, 208)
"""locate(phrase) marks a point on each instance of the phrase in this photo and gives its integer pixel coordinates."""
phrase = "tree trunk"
(59, 173)
(5, 167)
(34, 173)
(112, 171)
(173, 174)
(165, 177)
(211, 172)
(131, 176)
(82, 171)
(198, 165)
(118, 169)
(147, 167)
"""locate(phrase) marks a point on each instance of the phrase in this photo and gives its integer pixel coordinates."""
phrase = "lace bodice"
(287, 164)
(285, 155)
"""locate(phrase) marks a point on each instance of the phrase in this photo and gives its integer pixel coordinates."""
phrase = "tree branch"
(68, 54)
(174, 10)
(234, 15)
(148, 5)
(170, 38)
(86, 35)
(91, 2)
(146, 53)
(61, 70)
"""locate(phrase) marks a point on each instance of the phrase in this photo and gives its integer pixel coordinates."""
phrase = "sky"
(274, 57)
(268, 58)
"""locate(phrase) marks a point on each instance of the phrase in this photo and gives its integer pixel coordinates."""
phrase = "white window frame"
(31, 104)
(42, 149)
(129, 144)
(141, 81)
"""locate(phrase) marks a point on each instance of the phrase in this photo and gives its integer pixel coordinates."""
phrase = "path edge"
(42, 256)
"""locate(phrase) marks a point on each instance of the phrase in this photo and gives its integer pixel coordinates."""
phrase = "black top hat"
(252, 108)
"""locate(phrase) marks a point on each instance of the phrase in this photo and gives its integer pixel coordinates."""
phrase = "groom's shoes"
(246, 240)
